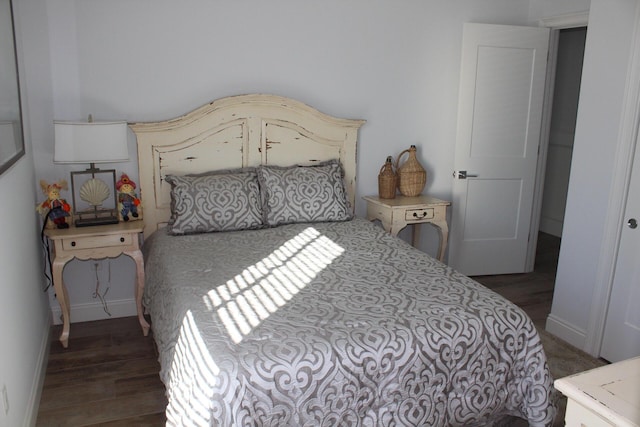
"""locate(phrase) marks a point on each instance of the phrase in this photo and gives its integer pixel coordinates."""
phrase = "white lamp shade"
(90, 142)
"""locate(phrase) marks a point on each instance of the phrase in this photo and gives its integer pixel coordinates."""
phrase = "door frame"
(555, 24)
(614, 223)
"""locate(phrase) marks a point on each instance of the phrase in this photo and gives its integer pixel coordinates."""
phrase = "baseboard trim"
(88, 312)
(551, 226)
(31, 417)
(566, 331)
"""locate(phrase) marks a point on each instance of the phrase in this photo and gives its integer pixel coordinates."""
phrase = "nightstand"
(95, 242)
(395, 214)
(603, 397)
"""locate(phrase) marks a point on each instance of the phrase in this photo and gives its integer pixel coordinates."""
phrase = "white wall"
(397, 67)
(24, 321)
(539, 9)
(606, 61)
(24, 324)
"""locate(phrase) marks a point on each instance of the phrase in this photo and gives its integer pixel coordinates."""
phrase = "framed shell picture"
(11, 136)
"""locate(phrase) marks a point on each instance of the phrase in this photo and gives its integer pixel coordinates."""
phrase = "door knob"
(463, 175)
(632, 223)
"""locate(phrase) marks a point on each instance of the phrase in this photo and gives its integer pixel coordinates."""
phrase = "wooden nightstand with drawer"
(95, 242)
(395, 214)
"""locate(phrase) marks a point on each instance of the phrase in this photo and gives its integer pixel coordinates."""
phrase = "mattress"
(338, 323)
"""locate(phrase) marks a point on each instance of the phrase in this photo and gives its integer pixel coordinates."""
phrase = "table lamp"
(95, 201)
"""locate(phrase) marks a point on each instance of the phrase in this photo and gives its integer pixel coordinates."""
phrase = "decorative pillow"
(215, 201)
(303, 194)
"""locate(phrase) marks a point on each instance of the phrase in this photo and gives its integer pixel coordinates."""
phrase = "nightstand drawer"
(418, 214)
(92, 242)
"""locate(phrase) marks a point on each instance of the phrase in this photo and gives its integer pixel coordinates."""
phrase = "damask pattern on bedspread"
(335, 324)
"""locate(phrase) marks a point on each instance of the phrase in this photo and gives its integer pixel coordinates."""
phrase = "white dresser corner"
(603, 397)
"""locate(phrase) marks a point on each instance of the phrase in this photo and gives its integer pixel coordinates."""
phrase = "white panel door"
(622, 328)
(499, 118)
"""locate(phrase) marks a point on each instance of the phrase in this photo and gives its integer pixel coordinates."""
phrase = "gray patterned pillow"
(216, 201)
(303, 194)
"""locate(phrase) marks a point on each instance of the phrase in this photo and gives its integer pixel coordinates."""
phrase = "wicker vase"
(387, 180)
(411, 175)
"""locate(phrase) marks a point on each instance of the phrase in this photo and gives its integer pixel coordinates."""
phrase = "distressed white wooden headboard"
(234, 132)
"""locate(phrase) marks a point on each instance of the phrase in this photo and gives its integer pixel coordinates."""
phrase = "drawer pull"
(415, 215)
(73, 243)
(122, 239)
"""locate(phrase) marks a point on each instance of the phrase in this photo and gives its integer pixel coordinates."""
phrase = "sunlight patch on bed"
(260, 289)
(190, 397)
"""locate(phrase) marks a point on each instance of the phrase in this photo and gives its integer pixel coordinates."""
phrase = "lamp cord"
(96, 293)
(48, 267)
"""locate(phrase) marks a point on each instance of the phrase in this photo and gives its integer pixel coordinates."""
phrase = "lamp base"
(88, 222)
(94, 197)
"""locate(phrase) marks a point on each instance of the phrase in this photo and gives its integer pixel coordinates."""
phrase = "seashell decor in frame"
(94, 192)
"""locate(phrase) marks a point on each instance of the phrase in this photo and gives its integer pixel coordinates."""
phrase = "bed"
(273, 305)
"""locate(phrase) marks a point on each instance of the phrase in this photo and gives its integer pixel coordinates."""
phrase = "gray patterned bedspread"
(335, 324)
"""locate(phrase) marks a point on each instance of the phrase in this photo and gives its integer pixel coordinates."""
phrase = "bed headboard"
(234, 132)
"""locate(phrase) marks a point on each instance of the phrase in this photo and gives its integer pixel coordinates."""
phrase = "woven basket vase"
(411, 175)
(387, 181)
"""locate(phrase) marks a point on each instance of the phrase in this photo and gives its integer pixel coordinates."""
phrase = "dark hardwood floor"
(533, 292)
(109, 374)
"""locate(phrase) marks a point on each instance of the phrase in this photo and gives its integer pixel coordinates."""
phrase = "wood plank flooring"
(109, 374)
(533, 292)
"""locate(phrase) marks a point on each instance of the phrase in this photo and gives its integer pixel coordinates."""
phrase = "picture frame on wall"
(11, 133)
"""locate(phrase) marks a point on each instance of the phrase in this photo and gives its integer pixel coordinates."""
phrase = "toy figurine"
(54, 210)
(128, 202)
